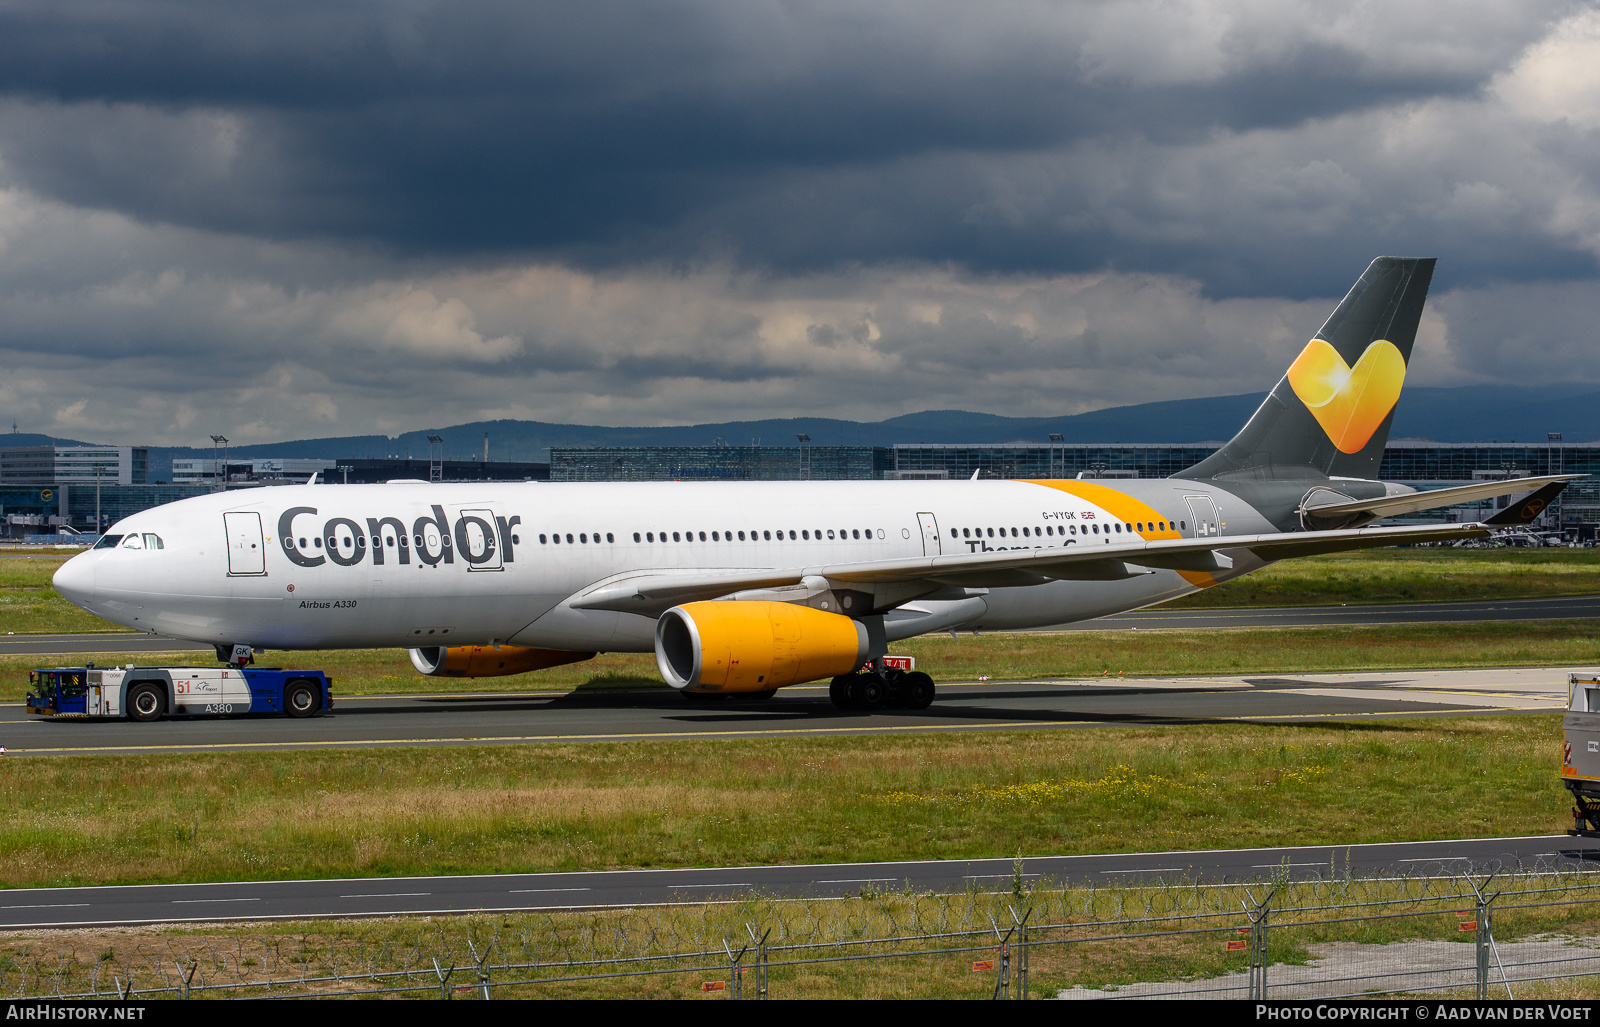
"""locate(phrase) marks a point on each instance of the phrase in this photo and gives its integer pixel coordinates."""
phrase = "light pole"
(1056, 439)
(218, 474)
(435, 468)
(97, 470)
(1561, 460)
(805, 456)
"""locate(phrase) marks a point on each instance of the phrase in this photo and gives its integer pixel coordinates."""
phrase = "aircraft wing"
(1333, 514)
(652, 593)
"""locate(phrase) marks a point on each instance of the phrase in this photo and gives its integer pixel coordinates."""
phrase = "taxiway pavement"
(636, 714)
(25, 908)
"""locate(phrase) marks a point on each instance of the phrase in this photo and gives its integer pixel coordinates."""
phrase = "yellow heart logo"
(1349, 402)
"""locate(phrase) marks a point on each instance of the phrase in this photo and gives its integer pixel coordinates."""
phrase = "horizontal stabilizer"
(1528, 510)
(1327, 516)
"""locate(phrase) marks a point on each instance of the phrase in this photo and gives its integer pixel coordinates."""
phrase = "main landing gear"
(890, 689)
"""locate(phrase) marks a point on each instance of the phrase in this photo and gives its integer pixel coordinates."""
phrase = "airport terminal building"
(45, 487)
(1420, 464)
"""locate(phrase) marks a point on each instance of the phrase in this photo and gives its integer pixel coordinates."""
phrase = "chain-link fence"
(1529, 932)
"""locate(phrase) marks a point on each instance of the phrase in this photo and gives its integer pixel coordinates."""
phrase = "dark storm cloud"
(788, 136)
(281, 220)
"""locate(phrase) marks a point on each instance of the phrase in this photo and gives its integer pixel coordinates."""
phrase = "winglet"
(1529, 509)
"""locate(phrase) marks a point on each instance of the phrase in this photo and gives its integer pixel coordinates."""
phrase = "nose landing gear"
(890, 689)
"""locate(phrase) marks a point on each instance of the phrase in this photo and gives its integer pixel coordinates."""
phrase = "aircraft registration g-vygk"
(744, 587)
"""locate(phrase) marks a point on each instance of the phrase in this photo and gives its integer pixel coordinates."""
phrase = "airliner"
(745, 587)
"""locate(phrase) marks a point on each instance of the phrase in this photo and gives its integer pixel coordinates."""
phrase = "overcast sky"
(280, 220)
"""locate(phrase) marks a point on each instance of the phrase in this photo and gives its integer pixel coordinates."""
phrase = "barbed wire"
(431, 954)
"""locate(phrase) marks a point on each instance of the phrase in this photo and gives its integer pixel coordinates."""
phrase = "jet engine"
(751, 646)
(487, 661)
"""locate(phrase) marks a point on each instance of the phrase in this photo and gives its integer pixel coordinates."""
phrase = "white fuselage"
(417, 564)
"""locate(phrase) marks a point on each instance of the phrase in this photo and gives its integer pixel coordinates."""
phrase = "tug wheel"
(300, 700)
(146, 702)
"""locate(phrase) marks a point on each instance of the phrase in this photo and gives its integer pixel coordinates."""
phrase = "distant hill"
(1473, 413)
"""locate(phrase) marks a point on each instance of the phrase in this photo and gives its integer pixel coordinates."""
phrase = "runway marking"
(186, 902)
(389, 895)
(1153, 870)
(724, 884)
(542, 891)
(860, 880)
(985, 877)
(49, 905)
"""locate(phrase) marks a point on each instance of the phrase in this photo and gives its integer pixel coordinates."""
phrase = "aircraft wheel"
(300, 699)
(759, 696)
(894, 690)
(917, 689)
(146, 702)
(839, 691)
(866, 692)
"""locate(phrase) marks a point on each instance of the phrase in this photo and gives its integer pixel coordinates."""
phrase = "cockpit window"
(133, 542)
(152, 541)
(108, 542)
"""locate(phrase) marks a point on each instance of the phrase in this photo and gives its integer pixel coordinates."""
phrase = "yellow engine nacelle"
(733, 646)
(487, 661)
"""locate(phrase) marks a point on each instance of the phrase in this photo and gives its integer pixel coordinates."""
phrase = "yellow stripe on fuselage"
(1128, 510)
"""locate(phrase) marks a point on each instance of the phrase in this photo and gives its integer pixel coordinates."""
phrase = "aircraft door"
(1204, 512)
(930, 534)
(476, 542)
(246, 552)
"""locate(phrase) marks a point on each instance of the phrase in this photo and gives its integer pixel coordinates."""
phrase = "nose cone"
(75, 580)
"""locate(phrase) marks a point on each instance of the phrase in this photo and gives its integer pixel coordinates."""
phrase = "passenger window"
(543, 540)
(1183, 525)
(1118, 527)
(806, 535)
(636, 536)
(389, 540)
(133, 542)
(855, 533)
(702, 536)
(609, 537)
(741, 536)
(791, 536)
(675, 536)
(767, 535)
(361, 541)
(830, 534)
(152, 541)
(569, 539)
(715, 537)
(650, 536)
(317, 542)
(1024, 532)
(583, 538)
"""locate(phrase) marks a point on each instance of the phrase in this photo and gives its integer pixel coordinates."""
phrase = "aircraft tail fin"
(1330, 414)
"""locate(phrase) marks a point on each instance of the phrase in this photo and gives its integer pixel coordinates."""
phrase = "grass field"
(80, 820)
(29, 605)
(1001, 656)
